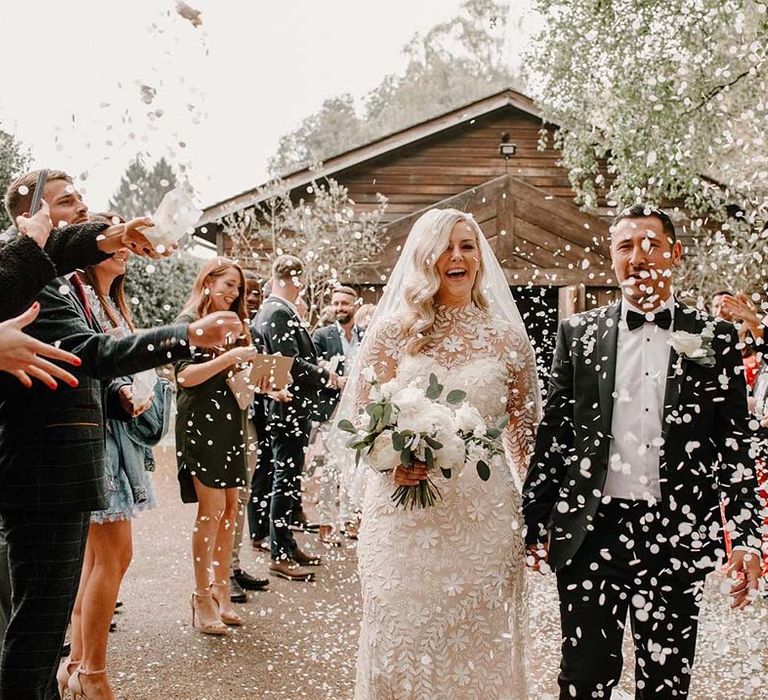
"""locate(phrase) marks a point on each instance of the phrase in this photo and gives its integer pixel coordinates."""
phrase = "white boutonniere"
(694, 347)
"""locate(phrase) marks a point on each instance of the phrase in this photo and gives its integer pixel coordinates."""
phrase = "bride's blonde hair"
(431, 234)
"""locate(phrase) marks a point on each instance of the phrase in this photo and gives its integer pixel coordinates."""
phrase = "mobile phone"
(37, 195)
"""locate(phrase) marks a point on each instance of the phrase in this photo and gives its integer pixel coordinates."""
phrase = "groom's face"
(643, 258)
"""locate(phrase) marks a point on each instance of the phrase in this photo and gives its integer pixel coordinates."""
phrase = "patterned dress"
(443, 587)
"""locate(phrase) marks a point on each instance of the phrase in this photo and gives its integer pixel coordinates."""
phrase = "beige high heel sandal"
(76, 686)
(216, 628)
(63, 674)
(228, 617)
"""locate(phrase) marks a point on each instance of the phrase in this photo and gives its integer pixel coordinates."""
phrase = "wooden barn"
(554, 254)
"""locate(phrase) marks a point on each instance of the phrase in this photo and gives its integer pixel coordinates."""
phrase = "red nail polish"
(77, 362)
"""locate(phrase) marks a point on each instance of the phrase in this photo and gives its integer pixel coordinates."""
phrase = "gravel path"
(300, 640)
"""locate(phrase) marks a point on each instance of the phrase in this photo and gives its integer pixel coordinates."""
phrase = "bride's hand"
(411, 476)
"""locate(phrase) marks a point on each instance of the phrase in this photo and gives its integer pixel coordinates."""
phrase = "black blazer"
(327, 340)
(52, 442)
(281, 331)
(25, 267)
(702, 458)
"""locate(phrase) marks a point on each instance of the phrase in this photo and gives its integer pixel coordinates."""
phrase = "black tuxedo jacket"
(328, 343)
(706, 453)
(281, 331)
(52, 442)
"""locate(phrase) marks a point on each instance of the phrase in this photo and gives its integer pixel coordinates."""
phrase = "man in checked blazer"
(52, 446)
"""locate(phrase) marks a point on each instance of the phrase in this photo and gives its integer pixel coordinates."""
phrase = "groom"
(640, 441)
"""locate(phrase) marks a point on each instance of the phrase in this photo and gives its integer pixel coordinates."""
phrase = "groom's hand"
(744, 566)
(536, 557)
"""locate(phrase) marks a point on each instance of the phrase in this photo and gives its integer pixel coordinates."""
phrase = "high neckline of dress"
(443, 311)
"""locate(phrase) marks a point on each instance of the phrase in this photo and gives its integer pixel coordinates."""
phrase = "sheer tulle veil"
(392, 305)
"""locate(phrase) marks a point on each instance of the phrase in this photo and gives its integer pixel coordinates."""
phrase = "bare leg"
(111, 545)
(210, 511)
(77, 611)
(225, 537)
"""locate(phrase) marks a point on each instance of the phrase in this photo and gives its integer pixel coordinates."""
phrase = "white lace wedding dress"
(442, 587)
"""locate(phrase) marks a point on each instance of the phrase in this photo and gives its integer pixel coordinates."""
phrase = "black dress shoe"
(237, 594)
(248, 582)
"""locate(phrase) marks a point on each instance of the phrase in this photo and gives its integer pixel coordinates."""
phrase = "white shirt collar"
(627, 305)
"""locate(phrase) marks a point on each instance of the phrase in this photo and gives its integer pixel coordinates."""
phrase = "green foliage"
(142, 189)
(673, 96)
(157, 289)
(326, 231)
(455, 62)
(14, 160)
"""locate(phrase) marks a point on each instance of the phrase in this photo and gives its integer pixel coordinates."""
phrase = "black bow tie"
(663, 319)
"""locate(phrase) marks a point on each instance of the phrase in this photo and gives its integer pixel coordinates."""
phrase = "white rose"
(468, 419)
(408, 398)
(688, 344)
(451, 454)
(383, 456)
(388, 389)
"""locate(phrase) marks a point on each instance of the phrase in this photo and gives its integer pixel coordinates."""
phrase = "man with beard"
(336, 345)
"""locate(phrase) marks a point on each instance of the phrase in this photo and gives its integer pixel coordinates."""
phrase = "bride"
(442, 586)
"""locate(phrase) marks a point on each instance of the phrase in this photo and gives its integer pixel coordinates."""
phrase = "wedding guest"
(211, 444)
(640, 440)
(109, 547)
(336, 346)
(52, 454)
(240, 580)
(32, 256)
(326, 318)
(280, 326)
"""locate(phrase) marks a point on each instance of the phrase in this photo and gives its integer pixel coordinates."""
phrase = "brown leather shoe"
(351, 530)
(288, 569)
(327, 536)
(303, 559)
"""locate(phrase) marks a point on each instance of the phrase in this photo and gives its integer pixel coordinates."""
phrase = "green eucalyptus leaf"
(456, 396)
(346, 426)
(483, 470)
(446, 473)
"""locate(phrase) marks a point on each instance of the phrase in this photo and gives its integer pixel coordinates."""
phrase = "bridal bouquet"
(406, 424)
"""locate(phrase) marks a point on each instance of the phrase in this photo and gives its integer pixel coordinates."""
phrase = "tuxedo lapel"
(685, 320)
(607, 339)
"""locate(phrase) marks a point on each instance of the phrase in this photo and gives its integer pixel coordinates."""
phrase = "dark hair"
(645, 211)
(17, 203)
(345, 290)
(117, 288)
(722, 293)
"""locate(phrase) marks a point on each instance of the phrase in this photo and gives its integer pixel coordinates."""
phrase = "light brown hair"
(17, 203)
(199, 301)
(287, 267)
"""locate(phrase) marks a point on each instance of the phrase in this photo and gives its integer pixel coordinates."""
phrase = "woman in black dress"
(211, 443)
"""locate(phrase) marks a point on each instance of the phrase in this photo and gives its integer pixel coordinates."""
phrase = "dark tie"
(663, 319)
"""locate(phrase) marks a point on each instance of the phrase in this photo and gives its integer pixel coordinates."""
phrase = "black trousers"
(261, 481)
(44, 558)
(624, 567)
(290, 438)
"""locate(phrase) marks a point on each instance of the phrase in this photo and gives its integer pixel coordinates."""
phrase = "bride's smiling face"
(458, 265)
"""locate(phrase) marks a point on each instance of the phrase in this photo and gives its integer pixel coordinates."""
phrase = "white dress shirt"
(642, 358)
(349, 347)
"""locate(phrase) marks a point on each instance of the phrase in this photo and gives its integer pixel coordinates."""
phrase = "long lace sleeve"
(523, 402)
(381, 351)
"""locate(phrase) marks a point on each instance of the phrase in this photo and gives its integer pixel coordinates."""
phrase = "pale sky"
(72, 77)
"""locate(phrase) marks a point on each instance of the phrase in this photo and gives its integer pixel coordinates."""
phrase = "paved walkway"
(300, 640)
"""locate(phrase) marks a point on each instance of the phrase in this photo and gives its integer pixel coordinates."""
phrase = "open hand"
(216, 329)
(745, 568)
(129, 235)
(242, 353)
(37, 227)
(22, 356)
